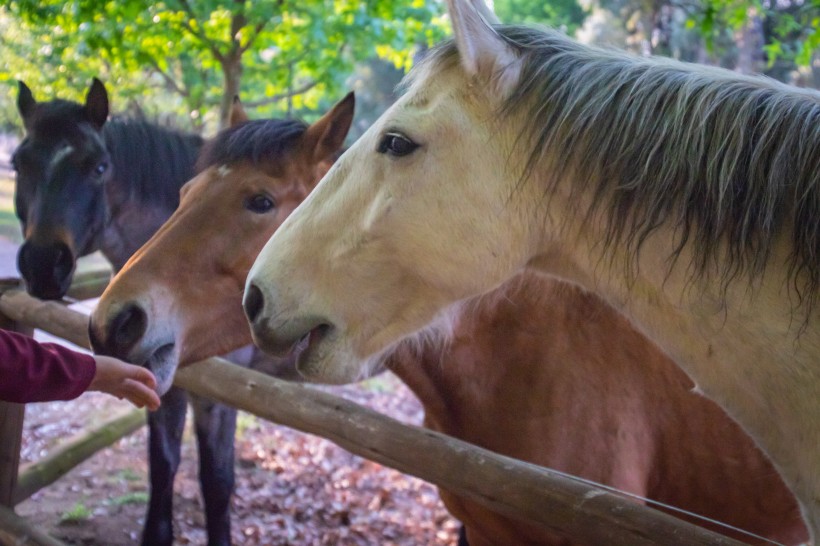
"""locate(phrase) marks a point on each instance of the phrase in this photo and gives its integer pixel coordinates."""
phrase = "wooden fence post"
(11, 420)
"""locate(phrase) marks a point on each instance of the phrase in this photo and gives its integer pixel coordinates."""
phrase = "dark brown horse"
(85, 183)
(537, 370)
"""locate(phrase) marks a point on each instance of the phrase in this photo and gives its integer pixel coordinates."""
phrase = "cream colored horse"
(688, 197)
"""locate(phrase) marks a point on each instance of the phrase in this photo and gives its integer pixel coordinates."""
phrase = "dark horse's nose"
(122, 332)
(47, 269)
(253, 303)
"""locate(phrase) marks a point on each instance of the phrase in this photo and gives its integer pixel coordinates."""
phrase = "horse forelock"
(731, 162)
(256, 141)
(57, 120)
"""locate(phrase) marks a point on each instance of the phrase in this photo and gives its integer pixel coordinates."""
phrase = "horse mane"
(150, 161)
(731, 162)
(257, 141)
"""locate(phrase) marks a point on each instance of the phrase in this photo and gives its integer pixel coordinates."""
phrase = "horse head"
(178, 299)
(412, 219)
(62, 167)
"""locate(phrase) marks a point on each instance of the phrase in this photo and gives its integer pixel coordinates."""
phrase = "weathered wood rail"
(515, 488)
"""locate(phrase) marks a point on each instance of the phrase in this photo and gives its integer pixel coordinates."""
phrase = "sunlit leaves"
(795, 25)
(150, 52)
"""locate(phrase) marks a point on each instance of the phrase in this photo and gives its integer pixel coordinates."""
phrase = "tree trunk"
(750, 40)
(232, 71)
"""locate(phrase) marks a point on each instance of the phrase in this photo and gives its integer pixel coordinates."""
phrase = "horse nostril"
(63, 263)
(253, 303)
(126, 329)
(47, 268)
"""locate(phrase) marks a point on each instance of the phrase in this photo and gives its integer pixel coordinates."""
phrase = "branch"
(167, 78)
(256, 31)
(281, 96)
(200, 35)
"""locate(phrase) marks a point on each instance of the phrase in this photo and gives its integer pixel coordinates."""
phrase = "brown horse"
(538, 370)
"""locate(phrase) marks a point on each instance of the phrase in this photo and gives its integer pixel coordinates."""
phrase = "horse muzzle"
(47, 269)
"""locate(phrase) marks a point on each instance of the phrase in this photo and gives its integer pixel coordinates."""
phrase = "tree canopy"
(186, 59)
(195, 56)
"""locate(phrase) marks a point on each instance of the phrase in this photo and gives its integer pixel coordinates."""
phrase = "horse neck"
(139, 202)
(740, 342)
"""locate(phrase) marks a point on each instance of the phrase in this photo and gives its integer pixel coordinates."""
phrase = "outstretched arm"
(31, 371)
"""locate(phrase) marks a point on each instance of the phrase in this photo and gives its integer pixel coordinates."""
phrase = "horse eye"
(101, 168)
(259, 203)
(396, 145)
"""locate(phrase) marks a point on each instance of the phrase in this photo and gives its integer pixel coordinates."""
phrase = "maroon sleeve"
(36, 372)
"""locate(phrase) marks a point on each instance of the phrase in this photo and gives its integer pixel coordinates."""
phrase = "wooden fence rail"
(519, 489)
(16, 531)
(66, 455)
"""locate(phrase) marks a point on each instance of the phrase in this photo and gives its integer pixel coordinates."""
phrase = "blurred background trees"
(181, 61)
(188, 58)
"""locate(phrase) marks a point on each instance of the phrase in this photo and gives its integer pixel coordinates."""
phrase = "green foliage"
(245, 421)
(283, 55)
(78, 512)
(566, 15)
(135, 497)
(129, 475)
(793, 26)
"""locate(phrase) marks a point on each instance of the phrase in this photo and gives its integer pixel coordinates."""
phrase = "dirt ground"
(291, 488)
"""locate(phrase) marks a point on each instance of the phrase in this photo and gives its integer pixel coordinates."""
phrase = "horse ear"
(96, 104)
(25, 102)
(237, 114)
(482, 51)
(324, 138)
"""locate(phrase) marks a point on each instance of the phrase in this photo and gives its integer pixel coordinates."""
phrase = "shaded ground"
(292, 489)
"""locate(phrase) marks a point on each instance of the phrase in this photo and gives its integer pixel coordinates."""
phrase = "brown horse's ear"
(325, 138)
(96, 104)
(25, 103)
(237, 114)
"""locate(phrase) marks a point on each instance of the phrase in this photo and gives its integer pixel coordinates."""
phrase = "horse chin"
(324, 356)
(163, 364)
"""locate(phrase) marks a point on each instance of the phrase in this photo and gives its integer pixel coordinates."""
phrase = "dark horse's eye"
(101, 168)
(259, 203)
(396, 145)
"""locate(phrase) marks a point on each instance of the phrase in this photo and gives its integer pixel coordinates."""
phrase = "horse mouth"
(306, 348)
(162, 364)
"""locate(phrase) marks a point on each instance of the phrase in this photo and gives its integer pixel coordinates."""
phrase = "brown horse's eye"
(259, 203)
(397, 145)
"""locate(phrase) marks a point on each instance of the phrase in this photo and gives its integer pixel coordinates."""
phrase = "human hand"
(123, 380)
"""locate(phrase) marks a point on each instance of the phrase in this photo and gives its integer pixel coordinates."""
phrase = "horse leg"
(164, 439)
(215, 428)
(462, 536)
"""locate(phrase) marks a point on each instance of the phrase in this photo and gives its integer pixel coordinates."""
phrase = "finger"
(144, 375)
(140, 394)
